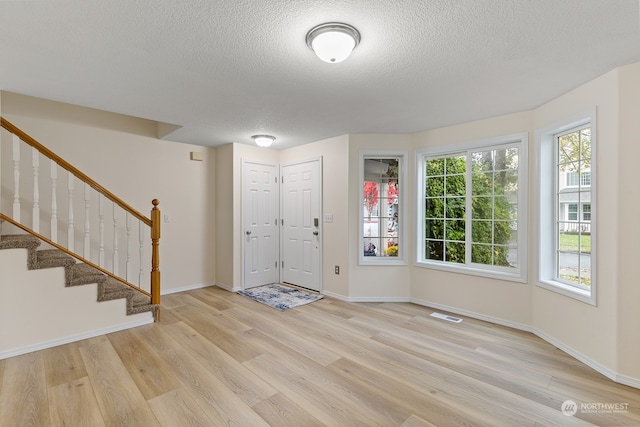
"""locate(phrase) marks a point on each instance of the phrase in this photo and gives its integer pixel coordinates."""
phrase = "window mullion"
(468, 209)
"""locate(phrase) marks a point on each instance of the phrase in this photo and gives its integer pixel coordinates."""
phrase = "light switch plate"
(328, 218)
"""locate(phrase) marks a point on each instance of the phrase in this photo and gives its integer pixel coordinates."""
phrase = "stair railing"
(98, 250)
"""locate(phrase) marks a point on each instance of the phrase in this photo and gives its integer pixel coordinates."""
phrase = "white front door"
(260, 221)
(302, 224)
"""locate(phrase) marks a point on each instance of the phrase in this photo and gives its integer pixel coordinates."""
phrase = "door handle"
(315, 233)
(248, 232)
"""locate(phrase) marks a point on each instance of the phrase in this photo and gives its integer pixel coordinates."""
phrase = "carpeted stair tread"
(22, 241)
(51, 258)
(113, 289)
(84, 274)
(19, 241)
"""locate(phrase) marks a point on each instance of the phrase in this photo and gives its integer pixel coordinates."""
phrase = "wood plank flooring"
(217, 358)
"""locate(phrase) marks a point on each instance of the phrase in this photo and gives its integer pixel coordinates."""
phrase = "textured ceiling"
(224, 70)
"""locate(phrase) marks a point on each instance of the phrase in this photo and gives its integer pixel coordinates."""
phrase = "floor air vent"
(445, 317)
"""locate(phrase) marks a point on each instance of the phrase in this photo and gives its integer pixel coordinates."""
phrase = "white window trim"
(547, 173)
(520, 275)
(403, 245)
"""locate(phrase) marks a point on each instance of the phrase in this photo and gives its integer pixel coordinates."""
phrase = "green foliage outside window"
(493, 207)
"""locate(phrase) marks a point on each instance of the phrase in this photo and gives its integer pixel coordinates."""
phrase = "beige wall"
(382, 282)
(628, 278)
(588, 330)
(123, 154)
(509, 302)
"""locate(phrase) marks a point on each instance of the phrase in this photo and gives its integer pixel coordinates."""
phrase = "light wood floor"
(217, 358)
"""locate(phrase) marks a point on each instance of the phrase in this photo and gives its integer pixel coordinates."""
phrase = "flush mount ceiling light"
(333, 41)
(263, 140)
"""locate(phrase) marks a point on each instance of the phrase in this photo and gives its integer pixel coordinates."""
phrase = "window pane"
(434, 250)
(455, 165)
(482, 183)
(434, 167)
(501, 256)
(481, 254)
(502, 232)
(456, 185)
(434, 229)
(482, 207)
(434, 208)
(455, 230)
(455, 252)
(455, 207)
(435, 186)
(481, 232)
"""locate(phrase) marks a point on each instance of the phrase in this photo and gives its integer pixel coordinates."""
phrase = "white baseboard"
(74, 338)
(364, 299)
(607, 372)
(186, 288)
(227, 287)
(336, 296)
(474, 315)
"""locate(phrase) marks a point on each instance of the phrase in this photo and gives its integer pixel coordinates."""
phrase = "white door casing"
(260, 206)
(302, 223)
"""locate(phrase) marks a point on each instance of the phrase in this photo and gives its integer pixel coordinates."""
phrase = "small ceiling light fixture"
(333, 41)
(263, 141)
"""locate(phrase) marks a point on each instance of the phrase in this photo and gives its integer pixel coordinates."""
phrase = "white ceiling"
(224, 70)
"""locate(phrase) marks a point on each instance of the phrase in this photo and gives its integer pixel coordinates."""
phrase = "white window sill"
(465, 269)
(382, 261)
(568, 291)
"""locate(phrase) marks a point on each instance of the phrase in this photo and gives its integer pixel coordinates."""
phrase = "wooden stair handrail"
(76, 256)
(75, 171)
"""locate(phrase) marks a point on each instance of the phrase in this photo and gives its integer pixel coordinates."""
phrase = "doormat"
(280, 297)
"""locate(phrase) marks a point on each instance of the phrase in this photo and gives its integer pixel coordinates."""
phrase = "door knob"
(315, 233)
(248, 232)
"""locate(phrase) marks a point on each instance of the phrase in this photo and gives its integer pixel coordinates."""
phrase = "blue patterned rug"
(280, 297)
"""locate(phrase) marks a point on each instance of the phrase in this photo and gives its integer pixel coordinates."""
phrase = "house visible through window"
(567, 183)
(573, 230)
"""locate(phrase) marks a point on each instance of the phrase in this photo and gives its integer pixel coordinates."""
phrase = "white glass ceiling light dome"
(333, 41)
(263, 141)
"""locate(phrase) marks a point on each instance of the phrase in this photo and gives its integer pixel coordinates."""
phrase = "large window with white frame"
(567, 230)
(382, 212)
(472, 208)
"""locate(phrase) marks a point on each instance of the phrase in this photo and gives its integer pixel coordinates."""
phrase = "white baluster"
(54, 203)
(70, 237)
(87, 225)
(35, 157)
(141, 243)
(101, 225)
(128, 271)
(115, 239)
(16, 178)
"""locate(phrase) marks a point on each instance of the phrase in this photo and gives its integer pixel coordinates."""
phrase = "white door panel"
(260, 224)
(302, 224)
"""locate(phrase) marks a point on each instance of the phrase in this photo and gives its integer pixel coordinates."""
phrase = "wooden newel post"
(155, 254)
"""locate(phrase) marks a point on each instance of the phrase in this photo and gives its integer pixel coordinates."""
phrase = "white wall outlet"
(167, 218)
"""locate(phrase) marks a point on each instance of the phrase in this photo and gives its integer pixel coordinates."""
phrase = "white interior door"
(260, 219)
(302, 224)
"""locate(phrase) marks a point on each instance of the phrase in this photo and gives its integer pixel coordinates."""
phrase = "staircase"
(80, 267)
(77, 274)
